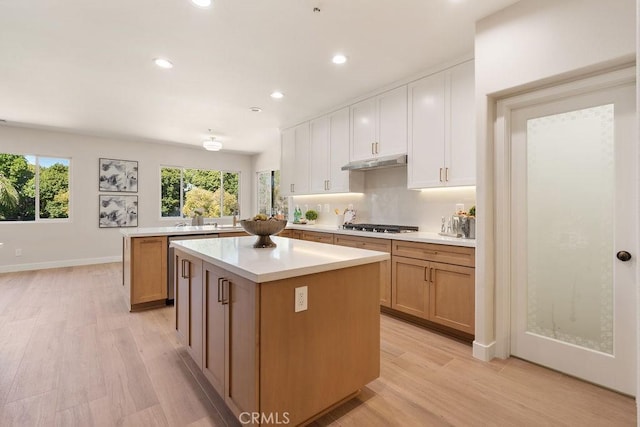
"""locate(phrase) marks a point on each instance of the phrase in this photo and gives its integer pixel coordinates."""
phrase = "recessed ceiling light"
(212, 144)
(277, 95)
(163, 63)
(201, 3)
(255, 109)
(339, 59)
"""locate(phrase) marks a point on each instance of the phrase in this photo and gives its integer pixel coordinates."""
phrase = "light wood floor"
(71, 355)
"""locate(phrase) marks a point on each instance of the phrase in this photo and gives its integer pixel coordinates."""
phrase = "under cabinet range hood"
(377, 163)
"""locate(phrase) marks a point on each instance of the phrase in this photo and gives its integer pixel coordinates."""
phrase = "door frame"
(502, 180)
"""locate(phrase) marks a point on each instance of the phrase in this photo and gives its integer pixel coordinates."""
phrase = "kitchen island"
(282, 333)
(147, 267)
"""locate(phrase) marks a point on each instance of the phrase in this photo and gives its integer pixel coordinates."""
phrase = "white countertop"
(418, 236)
(177, 231)
(291, 257)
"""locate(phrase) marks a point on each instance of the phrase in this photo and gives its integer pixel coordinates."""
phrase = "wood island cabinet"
(435, 282)
(261, 355)
(145, 271)
(230, 334)
(188, 303)
(373, 244)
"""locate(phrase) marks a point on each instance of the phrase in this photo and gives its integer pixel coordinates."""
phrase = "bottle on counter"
(297, 214)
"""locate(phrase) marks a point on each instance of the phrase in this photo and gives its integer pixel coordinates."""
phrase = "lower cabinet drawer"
(458, 255)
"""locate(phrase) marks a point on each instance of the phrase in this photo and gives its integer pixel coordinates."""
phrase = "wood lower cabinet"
(234, 234)
(315, 236)
(452, 296)
(441, 292)
(373, 244)
(188, 303)
(145, 271)
(291, 234)
(230, 334)
(410, 284)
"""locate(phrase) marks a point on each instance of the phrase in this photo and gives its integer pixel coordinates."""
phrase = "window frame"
(37, 218)
(182, 192)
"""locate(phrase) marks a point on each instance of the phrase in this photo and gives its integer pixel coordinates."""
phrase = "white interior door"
(573, 213)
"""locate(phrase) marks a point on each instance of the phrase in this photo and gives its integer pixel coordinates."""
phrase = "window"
(270, 202)
(184, 190)
(33, 188)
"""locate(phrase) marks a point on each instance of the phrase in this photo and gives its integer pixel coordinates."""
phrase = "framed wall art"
(118, 211)
(118, 175)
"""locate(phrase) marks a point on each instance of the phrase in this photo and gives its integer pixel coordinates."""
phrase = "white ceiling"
(87, 65)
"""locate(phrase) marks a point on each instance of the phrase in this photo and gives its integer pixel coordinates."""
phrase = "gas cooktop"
(381, 228)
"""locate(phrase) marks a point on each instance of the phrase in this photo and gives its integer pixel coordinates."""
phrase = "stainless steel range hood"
(377, 163)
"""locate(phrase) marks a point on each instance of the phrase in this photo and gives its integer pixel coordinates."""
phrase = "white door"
(573, 216)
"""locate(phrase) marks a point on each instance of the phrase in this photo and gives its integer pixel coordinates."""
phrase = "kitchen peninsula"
(286, 332)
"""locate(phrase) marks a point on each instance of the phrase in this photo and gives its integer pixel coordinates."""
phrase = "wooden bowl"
(263, 229)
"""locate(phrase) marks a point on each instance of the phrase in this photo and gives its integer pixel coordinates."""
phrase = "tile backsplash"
(387, 200)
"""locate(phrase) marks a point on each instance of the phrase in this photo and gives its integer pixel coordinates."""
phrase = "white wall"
(532, 43)
(386, 200)
(80, 241)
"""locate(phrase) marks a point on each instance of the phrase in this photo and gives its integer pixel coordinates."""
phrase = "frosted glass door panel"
(570, 195)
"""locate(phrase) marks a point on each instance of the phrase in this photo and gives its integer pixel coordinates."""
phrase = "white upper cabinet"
(379, 125)
(320, 152)
(329, 152)
(287, 160)
(442, 129)
(294, 167)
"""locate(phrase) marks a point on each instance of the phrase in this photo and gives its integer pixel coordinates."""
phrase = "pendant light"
(211, 143)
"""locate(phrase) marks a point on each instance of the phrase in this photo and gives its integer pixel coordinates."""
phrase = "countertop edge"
(289, 273)
(419, 236)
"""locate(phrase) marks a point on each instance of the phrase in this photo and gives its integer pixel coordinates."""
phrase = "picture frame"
(115, 175)
(117, 211)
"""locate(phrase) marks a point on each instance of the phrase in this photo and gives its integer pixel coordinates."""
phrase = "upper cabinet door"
(379, 125)
(426, 132)
(461, 154)
(442, 129)
(319, 154)
(301, 174)
(363, 129)
(338, 181)
(287, 161)
(392, 122)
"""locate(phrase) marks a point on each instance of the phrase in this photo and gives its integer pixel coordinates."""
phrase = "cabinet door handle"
(220, 279)
(186, 266)
(328, 185)
(376, 148)
(440, 174)
(446, 174)
(372, 151)
(225, 300)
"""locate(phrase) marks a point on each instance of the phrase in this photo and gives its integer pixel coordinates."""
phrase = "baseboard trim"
(484, 352)
(59, 264)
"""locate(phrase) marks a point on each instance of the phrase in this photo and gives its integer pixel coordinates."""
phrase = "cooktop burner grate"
(381, 228)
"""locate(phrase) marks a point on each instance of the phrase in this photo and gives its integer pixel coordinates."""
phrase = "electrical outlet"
(301, 299)
(18, 252)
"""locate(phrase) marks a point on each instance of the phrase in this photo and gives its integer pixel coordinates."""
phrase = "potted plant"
(311, 216)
